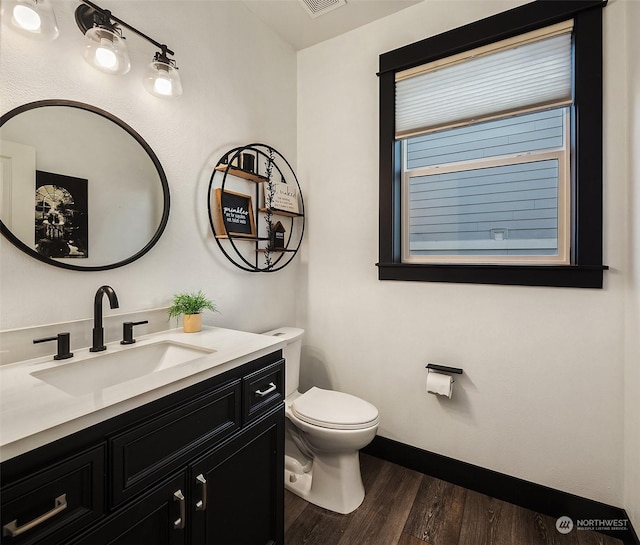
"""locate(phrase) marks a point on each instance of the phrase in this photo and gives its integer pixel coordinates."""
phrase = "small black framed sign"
(235, 214)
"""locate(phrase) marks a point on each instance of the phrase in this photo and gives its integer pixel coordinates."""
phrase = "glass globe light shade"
(27, 18)
(162, 79)
(34, 18)
(107, 51)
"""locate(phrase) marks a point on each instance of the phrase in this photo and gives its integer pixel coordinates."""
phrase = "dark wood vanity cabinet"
(204, 465)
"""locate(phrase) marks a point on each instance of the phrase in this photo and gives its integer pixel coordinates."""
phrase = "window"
(491, 151)
(492, 192)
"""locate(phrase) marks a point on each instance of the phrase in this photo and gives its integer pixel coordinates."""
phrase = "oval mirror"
(79, 188)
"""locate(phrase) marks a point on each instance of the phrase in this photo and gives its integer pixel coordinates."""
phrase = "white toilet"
(324, 432)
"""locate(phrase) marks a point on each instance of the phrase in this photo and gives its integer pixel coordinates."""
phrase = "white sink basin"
(112, 368)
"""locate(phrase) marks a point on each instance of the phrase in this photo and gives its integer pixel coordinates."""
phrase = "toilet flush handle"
(272, 388)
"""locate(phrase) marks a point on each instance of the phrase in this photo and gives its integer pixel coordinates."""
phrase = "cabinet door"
(156, 518)
(238, 488)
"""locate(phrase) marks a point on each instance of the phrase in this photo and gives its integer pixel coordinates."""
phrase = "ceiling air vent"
(315, 8)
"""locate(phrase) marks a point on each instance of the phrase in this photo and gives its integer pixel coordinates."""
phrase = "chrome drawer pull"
(272, 388)
(179, 496)
(202, 504)
(12, 529)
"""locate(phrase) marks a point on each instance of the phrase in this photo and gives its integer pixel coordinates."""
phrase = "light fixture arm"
(111, 17)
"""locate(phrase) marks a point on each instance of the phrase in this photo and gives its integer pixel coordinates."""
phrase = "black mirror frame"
(163, 180)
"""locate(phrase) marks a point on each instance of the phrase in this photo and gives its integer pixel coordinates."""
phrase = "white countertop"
(34, 413)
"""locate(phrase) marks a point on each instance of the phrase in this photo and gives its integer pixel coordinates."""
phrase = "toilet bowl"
(325, 430)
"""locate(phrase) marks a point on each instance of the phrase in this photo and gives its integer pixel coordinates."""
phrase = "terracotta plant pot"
(192, 323)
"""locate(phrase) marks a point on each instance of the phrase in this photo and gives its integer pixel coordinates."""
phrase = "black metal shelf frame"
(262, 259)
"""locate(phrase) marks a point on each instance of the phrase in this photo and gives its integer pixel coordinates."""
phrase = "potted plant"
(190, 306)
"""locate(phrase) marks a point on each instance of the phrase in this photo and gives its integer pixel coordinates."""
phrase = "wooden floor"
(404, 507)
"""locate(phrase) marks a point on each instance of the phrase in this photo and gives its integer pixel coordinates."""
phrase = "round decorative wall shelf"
(256, 209)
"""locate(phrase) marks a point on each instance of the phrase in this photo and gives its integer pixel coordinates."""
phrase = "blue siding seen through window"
(520, 134)
(505, 209)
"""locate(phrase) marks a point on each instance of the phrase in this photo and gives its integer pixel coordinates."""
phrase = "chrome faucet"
(98, 330)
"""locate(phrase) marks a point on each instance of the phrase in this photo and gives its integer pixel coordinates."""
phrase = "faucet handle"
(127, 331)
(63, 345)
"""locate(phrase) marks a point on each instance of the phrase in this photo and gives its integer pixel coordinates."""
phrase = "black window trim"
(586, 270)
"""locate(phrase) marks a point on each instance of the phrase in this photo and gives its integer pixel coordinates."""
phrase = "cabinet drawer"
(141, 456)
(262, 390)
(50, 505)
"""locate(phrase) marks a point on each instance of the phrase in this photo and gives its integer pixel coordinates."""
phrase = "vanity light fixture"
(33, 17)
(106, 50)
(162, 78)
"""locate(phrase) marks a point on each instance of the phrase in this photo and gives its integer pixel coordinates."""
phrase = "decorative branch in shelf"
(268, 195)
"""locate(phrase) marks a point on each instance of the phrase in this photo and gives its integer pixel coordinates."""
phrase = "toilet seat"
(334, 410)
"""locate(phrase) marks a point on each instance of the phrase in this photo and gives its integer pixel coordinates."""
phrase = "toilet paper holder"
(443, 369)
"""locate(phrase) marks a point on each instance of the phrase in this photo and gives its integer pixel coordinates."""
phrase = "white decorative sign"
(283, 197)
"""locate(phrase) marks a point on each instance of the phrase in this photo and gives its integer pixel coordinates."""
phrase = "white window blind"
(526, 73)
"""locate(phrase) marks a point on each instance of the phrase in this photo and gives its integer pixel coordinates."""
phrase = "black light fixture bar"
(106, 13)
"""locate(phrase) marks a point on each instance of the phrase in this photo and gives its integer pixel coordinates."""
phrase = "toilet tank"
(291, 352)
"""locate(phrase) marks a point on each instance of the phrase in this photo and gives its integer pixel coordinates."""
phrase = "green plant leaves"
(190, 303)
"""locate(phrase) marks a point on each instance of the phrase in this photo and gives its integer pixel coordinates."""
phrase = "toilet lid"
(335, 410)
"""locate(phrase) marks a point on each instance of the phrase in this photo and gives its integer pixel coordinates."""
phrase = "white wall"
(239, 84)
(542, 394)
(632, 369)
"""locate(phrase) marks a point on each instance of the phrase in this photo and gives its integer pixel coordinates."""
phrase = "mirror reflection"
(79, 188)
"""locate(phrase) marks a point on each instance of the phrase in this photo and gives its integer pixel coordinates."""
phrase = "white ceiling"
(291, 21)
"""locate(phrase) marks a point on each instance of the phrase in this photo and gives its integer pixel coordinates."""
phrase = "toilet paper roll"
(439, 383)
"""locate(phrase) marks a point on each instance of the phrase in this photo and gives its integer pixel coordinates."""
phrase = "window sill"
(568, 276)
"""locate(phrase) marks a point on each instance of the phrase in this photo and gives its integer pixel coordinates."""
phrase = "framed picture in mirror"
(61, 216)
